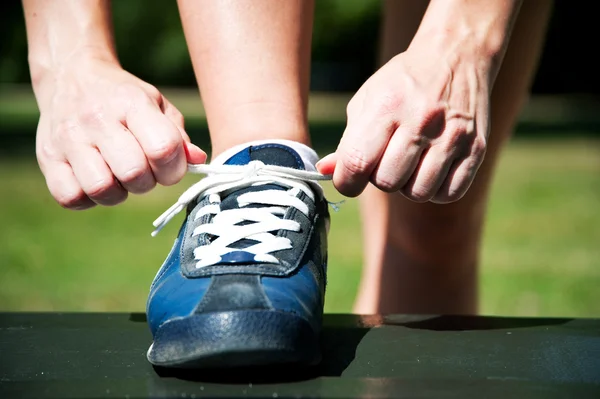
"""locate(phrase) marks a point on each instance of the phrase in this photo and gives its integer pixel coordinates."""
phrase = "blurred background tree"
(540, 254)
(151, 45)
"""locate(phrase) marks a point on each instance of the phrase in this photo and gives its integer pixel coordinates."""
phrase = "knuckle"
(427, 108)
(355, 161)
(129, 90)
(386, 184)
(67, 130)
(152, 92)
(352, 109)
(429, 120)
(101, 188)
(132, 175)
(418, 194)
(165, 151)
(144, 187)
(73, 200)
(118, 198)
(44, 152)
(479, 147)
(431, 112)
(416, 139)
(455, 191)
(388, 103)
(172, 178)
(132, 94)
(456, 135)
(138, 180)
(92, 116)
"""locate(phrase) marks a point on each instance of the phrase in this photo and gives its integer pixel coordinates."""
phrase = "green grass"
(541, 252)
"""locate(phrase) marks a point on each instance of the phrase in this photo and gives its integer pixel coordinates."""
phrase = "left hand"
(419, 126)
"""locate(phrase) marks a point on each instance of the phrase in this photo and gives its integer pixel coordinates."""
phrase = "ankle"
(256, 122)
(222, 144)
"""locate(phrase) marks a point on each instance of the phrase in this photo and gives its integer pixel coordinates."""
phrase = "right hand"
(104, 133)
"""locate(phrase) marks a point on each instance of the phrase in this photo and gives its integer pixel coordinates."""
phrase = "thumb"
(326, 165)
(193, 153)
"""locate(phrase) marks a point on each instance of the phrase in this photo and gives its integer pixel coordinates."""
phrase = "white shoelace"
(227, 225)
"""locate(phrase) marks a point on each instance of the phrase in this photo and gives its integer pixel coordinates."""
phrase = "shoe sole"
(235, 339)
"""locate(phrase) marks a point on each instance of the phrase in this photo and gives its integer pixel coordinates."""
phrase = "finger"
(160, 140)
(193, 153)
(362, 144)
(429, 175)
(459, 179)
(174, 116)
(326, 166)
(64, 187)
(400, 159)
(125, 158)
(94, 176)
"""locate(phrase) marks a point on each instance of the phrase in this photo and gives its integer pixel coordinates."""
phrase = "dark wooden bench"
(82, 355)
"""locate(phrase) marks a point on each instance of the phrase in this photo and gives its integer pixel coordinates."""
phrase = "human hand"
(418, 126)
(104, 133)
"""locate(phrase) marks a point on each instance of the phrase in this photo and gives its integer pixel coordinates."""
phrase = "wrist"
(62, 34)
(48, 76)
(461, 42)
(46, 66)
(475, 30)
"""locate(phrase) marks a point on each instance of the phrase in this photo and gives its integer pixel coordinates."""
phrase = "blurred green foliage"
(540, 252)
(151, 44)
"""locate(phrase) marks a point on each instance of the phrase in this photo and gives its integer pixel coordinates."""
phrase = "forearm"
(61, 31)
(469, 28)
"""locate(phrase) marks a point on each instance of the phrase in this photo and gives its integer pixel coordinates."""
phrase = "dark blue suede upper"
(296, 285)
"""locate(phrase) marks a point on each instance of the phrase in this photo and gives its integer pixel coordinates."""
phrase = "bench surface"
(81, 355)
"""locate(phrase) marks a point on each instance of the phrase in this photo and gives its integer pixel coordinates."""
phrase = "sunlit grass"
(541, 253)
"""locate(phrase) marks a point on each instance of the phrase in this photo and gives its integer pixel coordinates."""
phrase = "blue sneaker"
(244, 283)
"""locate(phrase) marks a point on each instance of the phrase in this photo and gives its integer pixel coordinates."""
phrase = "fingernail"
(320, 162)
(200, 150)
(195, 154)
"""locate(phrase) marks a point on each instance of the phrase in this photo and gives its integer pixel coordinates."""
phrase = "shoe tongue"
(269, 154)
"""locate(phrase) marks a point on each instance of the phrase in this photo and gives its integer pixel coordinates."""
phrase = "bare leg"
(422, 258)
(251, 59)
